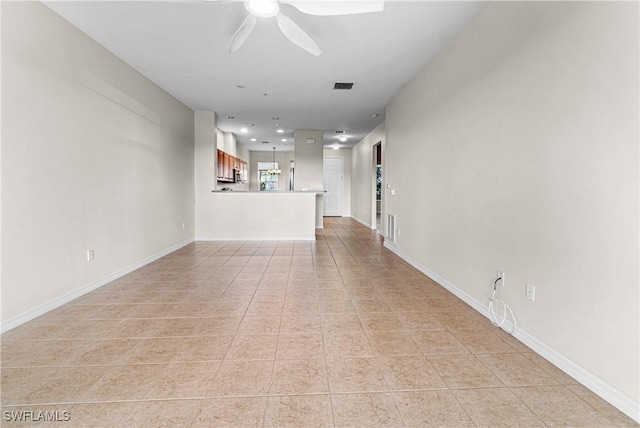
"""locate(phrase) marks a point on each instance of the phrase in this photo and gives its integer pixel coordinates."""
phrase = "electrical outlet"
(90, 255)
(530, 292)
(500, 274)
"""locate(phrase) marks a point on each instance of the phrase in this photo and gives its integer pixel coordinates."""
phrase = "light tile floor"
(336, 332)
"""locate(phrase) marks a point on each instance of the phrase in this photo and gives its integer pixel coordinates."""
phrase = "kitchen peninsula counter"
(247, 215)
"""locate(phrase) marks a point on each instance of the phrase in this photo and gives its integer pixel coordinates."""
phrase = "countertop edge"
(277, 192)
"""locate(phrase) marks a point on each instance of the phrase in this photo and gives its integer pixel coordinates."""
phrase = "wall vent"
(343, 85)
(390, 232)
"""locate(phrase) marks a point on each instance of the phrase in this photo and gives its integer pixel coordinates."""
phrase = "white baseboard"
(253, 238)
(66, 298)
(362, 222)
(609, 393)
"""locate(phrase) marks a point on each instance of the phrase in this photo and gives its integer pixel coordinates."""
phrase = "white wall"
(94, 156)
(345, 154)
(521, 139)
(363, 173)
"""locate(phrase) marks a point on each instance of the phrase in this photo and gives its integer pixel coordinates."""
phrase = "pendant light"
(274, 170)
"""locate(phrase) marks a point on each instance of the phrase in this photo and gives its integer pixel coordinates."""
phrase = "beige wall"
(94, 156)
(208, 139)
(517, 149)
(309, 167)
(207, 142)
(363, 173)
(308, 157)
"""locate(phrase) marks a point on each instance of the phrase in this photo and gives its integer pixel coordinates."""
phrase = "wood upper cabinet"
(227, 167)
(220, 172)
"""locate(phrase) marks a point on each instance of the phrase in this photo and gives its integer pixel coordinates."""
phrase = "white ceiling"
(183, 47)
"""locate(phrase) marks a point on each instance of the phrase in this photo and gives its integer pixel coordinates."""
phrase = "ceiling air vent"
(339, 132)
(343, 85)
(265, 142)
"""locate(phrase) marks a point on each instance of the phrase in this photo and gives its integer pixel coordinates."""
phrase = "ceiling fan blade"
(297, 35)
(328, 8)
(242, 34)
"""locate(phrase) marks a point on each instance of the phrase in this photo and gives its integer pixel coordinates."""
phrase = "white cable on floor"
(492, 310)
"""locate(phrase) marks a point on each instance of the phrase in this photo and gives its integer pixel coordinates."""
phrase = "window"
(268, 181)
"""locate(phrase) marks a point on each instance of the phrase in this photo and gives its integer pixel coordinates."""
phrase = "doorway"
(333, 175)
(377, 185)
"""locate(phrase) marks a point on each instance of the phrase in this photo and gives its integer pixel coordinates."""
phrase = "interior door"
(332, 187)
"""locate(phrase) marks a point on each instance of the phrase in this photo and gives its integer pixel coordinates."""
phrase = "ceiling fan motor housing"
(262, 8)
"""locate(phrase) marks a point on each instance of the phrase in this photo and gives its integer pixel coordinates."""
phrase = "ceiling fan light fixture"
(262, 8)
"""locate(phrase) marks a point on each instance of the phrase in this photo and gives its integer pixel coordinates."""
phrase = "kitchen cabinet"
(231, 169)
(220, 169)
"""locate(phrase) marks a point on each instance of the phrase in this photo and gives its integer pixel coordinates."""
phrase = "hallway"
(336, 332)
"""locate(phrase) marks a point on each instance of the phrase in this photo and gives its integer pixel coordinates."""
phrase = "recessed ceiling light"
(284, 140)
(375, 115)
(253, 139)
(336, 147)
(280, 131)
(342, 138)
(240, 86)
(275, 118)
(244, 130)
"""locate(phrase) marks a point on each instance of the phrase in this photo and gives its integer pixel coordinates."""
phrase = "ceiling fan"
(270, 8)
